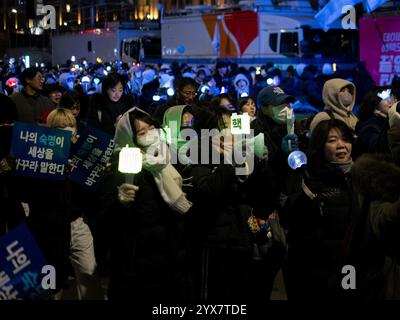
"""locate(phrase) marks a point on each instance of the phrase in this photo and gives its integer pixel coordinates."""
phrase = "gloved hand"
(127, 193)
(292, 146)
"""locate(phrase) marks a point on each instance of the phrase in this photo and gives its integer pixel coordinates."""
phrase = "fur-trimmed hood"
(376, 177)
(239, 77)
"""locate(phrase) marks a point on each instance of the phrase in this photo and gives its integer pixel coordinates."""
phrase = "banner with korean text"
(39, 151)
(380, 47)
(89, 157)
(21, 265)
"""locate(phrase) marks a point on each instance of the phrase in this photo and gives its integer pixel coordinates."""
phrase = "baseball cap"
(273, 96)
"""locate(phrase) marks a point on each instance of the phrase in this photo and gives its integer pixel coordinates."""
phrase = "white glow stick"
(130, 162)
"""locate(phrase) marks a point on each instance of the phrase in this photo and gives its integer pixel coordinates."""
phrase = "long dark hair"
(216, 101)
(316, 148)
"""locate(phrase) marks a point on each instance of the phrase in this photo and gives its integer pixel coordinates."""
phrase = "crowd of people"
(186, 232)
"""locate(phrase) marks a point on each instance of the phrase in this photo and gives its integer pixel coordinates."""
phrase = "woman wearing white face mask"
(339, 97)
(145, 222)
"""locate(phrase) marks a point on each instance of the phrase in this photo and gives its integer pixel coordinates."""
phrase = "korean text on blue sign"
(39, 151)
(21, 263)
(89, 157)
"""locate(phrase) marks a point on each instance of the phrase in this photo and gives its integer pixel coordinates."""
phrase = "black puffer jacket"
(316, 231)
(148, 247)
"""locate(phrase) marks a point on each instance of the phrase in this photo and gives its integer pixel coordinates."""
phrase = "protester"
(372, 128)
(185, 94)
(317, 216)
(147, 240)
(54, 93)
(339, 97)
(32, 107)
(248, 105)
(187, 230)
(108, 106)
(81, 251)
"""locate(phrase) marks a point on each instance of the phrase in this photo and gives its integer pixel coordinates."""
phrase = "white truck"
(254, 35)
(116, 42)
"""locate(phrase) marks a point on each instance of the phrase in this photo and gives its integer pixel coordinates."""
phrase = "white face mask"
(138, 74)
(345, 98)
(151, 137)
(279, 113)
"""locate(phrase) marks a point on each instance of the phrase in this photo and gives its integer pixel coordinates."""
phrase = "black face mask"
(6, 132)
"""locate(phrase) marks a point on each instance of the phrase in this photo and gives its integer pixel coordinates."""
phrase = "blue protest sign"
(21, 264)
(40, 152)
(89, 156)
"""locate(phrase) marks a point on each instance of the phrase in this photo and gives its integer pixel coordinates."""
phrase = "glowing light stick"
(130, 163)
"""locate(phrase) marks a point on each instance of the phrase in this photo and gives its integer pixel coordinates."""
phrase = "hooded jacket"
(174, 114)
(239, 91)
(148, 246)
(167, 179)
(330, 95)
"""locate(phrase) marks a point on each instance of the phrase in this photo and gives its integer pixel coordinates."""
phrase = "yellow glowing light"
(130, 160)
(60, 19)
(79, 16)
